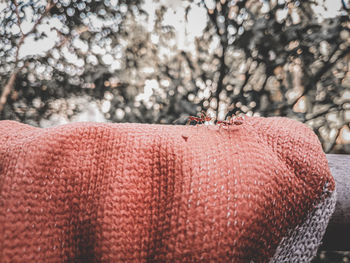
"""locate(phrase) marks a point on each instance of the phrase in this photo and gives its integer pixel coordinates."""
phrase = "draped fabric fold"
(261, 191)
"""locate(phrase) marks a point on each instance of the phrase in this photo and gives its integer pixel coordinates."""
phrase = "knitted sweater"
(90, 192)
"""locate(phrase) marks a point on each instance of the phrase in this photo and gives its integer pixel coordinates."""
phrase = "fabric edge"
(302, 242)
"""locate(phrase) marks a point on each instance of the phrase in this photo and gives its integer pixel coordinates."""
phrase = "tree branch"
(327, 66)
(11, 81)
(18, 18)
(7, 89)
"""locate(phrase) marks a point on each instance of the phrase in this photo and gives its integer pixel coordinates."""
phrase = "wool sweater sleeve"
(88, 192)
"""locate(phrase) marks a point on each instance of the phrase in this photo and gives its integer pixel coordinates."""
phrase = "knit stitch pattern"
(92, 192)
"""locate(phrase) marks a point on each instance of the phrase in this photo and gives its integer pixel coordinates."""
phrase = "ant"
(203, 118)
(233, 120)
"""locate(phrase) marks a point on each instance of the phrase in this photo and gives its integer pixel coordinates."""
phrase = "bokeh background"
(162, 61)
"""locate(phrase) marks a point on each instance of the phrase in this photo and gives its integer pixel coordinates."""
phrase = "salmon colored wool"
(92, 192)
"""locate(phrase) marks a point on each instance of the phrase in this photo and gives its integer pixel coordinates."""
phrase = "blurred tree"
(76, 43)
(295, 62)
(257, 57)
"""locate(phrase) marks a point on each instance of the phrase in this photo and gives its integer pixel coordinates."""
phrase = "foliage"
(257, 57)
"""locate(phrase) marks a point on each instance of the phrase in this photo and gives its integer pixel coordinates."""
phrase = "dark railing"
(337, 236)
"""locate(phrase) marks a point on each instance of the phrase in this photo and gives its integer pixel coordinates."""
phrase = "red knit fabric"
(89, 192)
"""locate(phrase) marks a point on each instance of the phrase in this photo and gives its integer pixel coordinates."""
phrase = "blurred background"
(161, 61)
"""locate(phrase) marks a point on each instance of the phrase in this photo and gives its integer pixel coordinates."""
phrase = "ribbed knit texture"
(89, 192)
